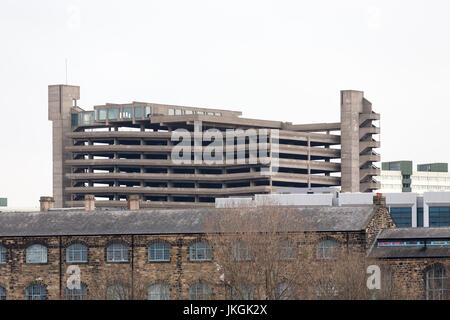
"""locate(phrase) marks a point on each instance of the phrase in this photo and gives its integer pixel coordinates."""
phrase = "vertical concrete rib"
(351, 107)
(60, 102)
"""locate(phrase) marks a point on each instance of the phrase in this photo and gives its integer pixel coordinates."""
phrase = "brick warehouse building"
(166, 251)
(117, 150)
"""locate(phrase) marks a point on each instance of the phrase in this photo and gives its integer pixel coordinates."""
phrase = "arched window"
(200, 251)
(327, 249)
(326, 290)
(283, 291)
(2, 293)
(117, 292)
(436, 283)
(36, 292)
(242, 251)
(159, 251)
(117, 252)
(77, 294)
(287, 250)
(2, 255)
(200, 291)
(76, 252)
(242, 292)
(158, 291)
(36, 253)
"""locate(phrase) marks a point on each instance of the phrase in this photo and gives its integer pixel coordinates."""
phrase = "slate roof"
(409, 252)
(433, 233)
(415, 233)
(175, 221)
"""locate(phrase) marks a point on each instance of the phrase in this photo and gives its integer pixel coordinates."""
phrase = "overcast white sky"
(278, 60)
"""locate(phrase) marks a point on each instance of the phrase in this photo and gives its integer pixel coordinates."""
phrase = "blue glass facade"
(439, 216)
(402, 217)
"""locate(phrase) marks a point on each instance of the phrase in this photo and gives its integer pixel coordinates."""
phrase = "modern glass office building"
(432, 209)
(399, 176)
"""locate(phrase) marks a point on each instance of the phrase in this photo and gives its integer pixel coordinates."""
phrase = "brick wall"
(179, 273)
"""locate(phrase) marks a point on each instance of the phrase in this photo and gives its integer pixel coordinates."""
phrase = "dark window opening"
(155, 170)
(155, 198)
(155, 156)
(183, 185)
(184, 199)
(156, 184)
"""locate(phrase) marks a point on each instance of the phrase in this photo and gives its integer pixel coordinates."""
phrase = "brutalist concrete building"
(120, 150)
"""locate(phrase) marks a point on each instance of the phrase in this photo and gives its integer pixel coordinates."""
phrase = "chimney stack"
(46, 203)
(89, 202)
(379, 200)
(133, 202)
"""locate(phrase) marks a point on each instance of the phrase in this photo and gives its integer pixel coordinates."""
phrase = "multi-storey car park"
(121, 150)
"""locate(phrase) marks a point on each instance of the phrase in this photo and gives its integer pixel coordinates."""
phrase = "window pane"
(242, 251)
(113, 113)
(401, 217)
(36, 254)
(148, 112)
(158, 291)
(138, 112)
(2, 293)
(199, 291)
(77, 294)
(200, 251)
(86, 118)
(283, 291)
(436, 284)
(327, 250)
(101, 114)
(36, 292)
(117, 252)
(74, 119)
(2, 254)
(242, 292)
(76, 253)
(439, 216)
(127, 113)
(158, 252)
(117, 292)
(287, 250)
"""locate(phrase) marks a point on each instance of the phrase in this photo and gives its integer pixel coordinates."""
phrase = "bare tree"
(267, 253)
(257, 251)
(116, 286)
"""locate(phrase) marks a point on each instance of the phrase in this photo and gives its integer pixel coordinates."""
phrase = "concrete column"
(61, 98)
(414, 215)
(309, 162)
(351, 107)
(426, 215)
